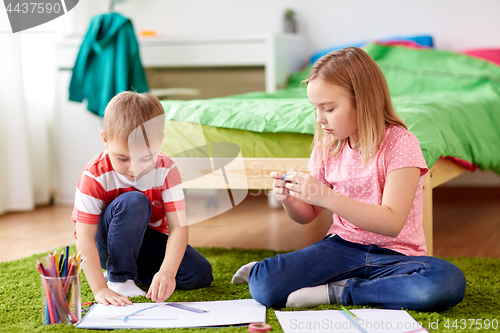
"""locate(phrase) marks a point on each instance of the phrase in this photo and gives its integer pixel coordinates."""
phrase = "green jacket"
(108, 63)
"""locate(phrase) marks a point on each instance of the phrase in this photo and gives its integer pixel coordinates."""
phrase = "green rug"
(20, 295)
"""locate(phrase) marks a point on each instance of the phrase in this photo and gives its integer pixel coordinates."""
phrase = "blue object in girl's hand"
(283, 178)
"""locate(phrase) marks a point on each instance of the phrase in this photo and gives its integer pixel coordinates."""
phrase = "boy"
(125, 198)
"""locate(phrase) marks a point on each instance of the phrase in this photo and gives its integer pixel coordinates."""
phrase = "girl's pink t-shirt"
(345, 174)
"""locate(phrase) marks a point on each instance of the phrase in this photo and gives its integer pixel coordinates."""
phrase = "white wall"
(455, 24)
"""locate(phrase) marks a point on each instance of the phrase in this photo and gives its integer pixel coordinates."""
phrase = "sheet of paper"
(163, 315)
(369, 321)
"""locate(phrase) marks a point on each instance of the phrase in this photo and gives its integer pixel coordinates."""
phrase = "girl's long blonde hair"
(355, 71)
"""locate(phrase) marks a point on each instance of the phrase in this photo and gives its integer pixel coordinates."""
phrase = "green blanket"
(450, 101)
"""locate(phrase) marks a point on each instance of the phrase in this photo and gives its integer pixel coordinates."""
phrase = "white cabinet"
(77, 130)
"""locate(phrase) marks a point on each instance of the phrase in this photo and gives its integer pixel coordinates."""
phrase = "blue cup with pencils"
(60, 282)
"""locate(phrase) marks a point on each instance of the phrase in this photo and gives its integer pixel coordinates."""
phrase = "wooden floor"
(466, 223)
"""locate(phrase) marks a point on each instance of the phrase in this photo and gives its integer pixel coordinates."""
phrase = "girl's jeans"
(372, 276)
(129, 250)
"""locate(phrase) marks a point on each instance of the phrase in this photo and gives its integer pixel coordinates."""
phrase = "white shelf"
(279, 54)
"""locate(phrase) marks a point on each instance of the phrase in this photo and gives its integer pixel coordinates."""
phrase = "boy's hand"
(107, 296)
(280, 191)
(162, 287)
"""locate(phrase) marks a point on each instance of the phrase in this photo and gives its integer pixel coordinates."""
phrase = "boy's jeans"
(375, 276)
(128, 249)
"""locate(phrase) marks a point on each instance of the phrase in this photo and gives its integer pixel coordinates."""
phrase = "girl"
(367, 169)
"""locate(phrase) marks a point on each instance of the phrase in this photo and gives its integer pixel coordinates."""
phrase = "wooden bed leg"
(427, 213)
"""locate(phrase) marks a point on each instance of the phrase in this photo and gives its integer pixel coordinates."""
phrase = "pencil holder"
(61, 299)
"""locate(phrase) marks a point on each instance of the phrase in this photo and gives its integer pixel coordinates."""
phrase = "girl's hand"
(280, 191)
(307, 188)
(162, 287)
(107, 296)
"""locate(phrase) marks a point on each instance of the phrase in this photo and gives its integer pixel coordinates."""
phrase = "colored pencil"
(348, 312)
(47, 293)
(61, 260)
(56, 261)
(66, 261)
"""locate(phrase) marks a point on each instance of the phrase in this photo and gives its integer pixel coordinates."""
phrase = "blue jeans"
(129, 250)
(373, 276)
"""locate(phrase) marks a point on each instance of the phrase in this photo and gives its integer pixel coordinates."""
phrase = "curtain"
(15, 170)
(27, 79)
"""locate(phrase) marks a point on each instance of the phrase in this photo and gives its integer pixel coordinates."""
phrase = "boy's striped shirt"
(99, 184)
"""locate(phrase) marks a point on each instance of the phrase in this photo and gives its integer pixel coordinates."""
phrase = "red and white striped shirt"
(99, 184)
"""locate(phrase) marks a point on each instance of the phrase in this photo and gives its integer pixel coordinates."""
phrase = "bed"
(450, 101)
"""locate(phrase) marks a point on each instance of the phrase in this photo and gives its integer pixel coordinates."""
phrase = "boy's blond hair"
(355, 71)
(133, 118)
